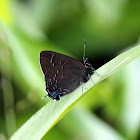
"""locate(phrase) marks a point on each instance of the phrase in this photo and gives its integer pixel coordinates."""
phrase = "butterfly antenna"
(84, 50)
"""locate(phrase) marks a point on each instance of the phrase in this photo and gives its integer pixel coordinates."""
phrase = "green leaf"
(42, 121)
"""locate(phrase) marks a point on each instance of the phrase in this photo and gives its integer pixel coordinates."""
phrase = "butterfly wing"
(62, 72)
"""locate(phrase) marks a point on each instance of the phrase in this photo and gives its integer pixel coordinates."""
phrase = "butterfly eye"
(51, 89)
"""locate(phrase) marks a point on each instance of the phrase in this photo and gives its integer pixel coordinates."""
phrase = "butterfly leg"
(82, 89)
(97, 74)
(92, 81)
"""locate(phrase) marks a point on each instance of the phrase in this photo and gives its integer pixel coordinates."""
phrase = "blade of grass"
(89, 126)
(20, 55)
(131, 111)
(48, 115)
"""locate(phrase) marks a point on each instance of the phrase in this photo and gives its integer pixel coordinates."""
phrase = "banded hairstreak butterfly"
(63, 74)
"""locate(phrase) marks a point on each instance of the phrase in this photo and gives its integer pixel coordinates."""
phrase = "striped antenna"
(84, 50)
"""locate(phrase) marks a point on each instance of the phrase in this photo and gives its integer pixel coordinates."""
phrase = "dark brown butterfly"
(63, 74)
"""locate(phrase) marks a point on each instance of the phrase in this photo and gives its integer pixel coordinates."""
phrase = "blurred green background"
(110, 27)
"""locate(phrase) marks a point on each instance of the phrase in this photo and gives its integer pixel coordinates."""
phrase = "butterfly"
(63, 74)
